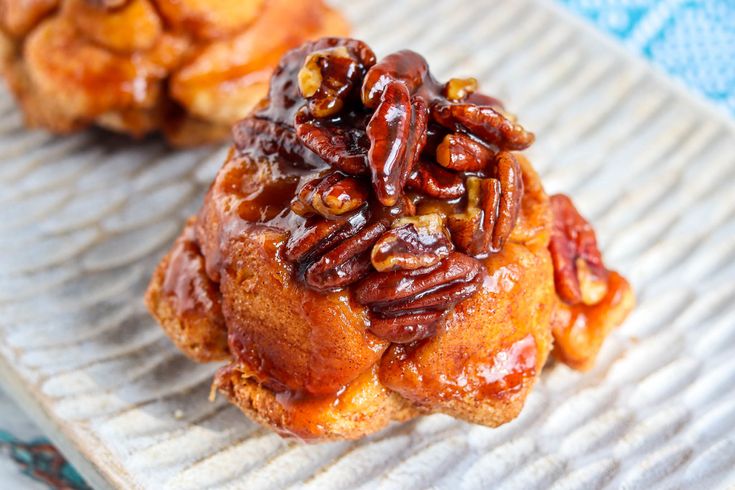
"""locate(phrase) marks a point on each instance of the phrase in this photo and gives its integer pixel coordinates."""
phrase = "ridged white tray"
(84, 219)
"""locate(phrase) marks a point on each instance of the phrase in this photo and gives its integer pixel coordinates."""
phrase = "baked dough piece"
(189, 68)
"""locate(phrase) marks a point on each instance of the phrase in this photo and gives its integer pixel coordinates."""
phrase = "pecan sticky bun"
(189, 68)
(376, 247)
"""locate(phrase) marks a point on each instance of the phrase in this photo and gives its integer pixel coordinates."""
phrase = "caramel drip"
(194, 294)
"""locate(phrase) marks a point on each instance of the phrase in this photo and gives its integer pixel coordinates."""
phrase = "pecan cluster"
(418, 179)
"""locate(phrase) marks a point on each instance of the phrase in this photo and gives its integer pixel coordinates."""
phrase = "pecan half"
(327, 79)
(486, 122)
(388, 131)
(458, 89)
(416, 137)
(472, 231)
(580, 275)
(508, 172)
(380, 290)
(343, 147)
(406, 328)
(346, 263)
(330, 196)
(405, 304)
(317, 235)
(492, 210)
(412, 243)
(432, 180)
(397, 133)
(406, 66)
(436, 300)
(462, 153)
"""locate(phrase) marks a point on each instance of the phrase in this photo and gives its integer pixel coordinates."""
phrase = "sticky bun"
(376, 247)
(188, 68)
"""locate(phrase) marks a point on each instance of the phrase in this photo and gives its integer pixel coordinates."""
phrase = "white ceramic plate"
(84, 219)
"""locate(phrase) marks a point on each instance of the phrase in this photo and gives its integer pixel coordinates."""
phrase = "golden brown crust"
(210, 20)
(229, 77)
(197, 338)
(364, 407)
(111, 28)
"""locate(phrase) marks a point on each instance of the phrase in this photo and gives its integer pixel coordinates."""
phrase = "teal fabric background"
(28, 461)
(692, 40)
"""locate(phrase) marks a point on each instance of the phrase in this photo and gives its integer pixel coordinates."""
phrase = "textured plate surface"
(84, 219)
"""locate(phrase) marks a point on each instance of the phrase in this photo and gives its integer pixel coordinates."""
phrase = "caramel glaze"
(192, 292)
(309, 415)
(363, 405)
(499, 376)
(579, 330)
(187, 303)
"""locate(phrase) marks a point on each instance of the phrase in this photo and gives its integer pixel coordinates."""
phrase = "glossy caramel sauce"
(246, 194)
(308, 416)
(579, 330)
(505, 373)
(497, 373)
(186, 283)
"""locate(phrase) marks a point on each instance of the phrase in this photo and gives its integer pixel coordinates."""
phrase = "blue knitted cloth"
(693, 40)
